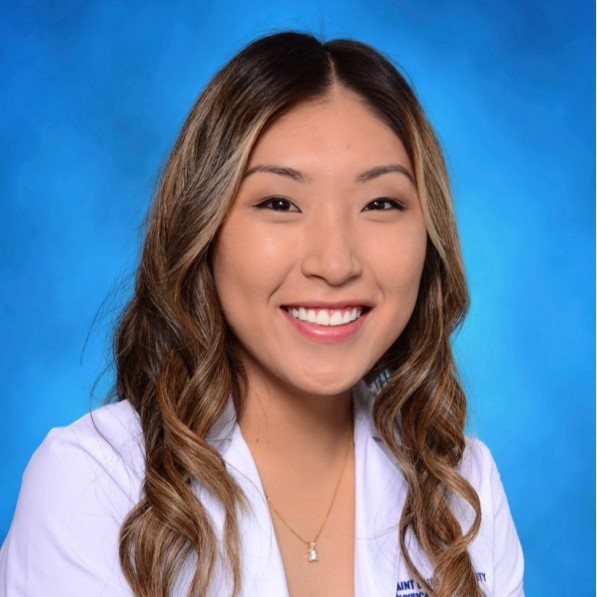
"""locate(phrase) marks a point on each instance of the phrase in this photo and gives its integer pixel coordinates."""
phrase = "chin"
(327, 385)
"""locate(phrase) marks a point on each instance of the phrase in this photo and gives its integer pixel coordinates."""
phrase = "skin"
(317, 222)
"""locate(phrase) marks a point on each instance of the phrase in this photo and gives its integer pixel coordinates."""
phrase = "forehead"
(336, 129)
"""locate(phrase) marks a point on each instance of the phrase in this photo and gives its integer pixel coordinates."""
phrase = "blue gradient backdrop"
(93, 94)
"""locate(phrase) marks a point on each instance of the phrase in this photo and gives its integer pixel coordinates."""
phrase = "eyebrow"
(380, 170)
(298, 176)
(280, 170)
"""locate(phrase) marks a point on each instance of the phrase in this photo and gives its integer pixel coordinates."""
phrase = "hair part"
(175, 359)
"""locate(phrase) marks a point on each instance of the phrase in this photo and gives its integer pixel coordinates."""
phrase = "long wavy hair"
(173, 351)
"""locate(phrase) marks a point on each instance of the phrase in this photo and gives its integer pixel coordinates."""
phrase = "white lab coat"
(84, 478)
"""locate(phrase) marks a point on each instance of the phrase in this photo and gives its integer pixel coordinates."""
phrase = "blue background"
(93, 94)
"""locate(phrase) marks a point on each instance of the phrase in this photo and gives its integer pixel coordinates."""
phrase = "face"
(318, 263)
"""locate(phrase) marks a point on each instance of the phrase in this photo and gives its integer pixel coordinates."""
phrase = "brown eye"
(278, 204)
(384, 203)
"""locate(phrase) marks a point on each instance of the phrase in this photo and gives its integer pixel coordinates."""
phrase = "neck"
(281, 420)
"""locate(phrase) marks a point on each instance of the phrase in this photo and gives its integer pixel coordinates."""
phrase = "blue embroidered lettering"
(410, 584)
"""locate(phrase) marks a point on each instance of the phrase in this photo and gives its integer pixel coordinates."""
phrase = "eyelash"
(271, 201)
(282, 204)
(388, 204)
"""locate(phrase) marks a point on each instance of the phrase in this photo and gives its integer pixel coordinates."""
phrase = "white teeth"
(323, 318)
(336, 318)
(327, 317)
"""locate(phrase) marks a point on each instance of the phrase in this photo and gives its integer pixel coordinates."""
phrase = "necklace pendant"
(312, 554)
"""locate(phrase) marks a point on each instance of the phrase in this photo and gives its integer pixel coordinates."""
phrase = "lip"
(325, 333)
(330, 305)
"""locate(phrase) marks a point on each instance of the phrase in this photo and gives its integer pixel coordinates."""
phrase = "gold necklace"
(312, 553)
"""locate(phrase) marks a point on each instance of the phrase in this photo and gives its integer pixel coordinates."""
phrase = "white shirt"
(83, 480)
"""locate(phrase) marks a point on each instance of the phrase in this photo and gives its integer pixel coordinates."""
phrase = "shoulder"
(76, 490)
(100, 450)
(479, 468)
(477, 465)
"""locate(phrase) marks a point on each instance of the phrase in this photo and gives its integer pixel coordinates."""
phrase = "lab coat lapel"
(378, 485)
(263, 571)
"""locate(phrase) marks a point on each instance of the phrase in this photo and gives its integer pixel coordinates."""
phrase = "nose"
(330, 250)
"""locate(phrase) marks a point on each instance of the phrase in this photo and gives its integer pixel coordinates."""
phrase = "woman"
(289, 419)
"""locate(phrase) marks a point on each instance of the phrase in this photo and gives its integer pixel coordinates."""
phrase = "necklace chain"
(312, 554)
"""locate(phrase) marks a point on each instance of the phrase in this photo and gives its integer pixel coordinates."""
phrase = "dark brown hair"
(176, 364)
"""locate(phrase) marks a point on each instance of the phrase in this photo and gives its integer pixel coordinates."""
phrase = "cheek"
(399, 263)
(246, 268)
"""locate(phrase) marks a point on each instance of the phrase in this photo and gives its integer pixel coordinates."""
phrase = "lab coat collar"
(223, 429)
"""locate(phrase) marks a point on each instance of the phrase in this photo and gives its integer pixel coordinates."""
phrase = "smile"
(325, 317)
